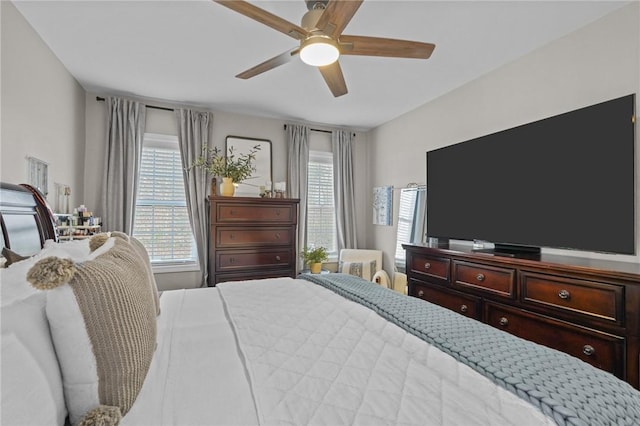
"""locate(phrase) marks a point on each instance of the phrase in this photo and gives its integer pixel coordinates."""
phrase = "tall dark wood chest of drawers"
(587, 308)
(252, 238)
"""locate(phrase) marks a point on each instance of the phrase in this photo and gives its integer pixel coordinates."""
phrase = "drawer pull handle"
(277, 236)
(420, 293)
(480, 277)
(278, 212)
(564, 294)
(464, 308)
(504, 321)
(278, 258)
(232, 212)
(427, 265)
(232, 260)
(231, 236)
(588, 350)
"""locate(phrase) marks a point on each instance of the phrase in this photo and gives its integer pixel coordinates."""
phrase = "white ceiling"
(188, 52)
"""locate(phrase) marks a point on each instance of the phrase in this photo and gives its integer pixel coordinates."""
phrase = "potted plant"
(314, 257)
(232, 168)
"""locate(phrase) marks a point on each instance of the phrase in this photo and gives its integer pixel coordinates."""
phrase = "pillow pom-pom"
(97, 241)
(102, 415)
(51, 272)
(119, 234)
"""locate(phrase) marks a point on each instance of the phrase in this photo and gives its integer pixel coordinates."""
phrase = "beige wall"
(594, 64)
(224, 124)
(42, 112)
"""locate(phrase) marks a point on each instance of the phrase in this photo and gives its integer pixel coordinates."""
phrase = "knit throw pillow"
(102, 316)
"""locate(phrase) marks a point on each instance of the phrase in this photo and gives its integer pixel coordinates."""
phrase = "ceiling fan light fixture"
(319, 50)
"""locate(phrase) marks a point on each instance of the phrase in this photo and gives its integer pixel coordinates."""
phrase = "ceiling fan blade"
(269, 64)
(376, 46)
(337, 15)
(266, 18)
(332, 74)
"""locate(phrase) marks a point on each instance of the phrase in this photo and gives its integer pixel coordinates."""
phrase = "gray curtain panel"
(298, 165)
(193, 136)
(125, 132)
(341, 142)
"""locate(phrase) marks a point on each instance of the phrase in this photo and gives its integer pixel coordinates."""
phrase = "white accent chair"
(367, 264)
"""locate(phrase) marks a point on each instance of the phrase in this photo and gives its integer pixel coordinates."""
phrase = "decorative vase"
(214, 188)
(315, 268)
(227, 189)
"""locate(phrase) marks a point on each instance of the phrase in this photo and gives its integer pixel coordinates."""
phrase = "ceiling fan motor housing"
(310, 19)
(316, 4)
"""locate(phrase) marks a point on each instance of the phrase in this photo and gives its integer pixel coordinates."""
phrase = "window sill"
(176, 267)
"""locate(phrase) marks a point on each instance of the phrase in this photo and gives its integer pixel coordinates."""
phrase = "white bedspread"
(197, 376)
(316, 358)
(305, 356)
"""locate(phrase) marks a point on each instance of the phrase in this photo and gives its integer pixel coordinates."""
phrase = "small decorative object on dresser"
(252, 238)
(314, 256)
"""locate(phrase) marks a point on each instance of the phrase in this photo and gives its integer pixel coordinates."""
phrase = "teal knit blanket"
(563, 387)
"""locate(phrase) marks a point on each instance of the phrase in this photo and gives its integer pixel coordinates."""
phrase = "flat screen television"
(567, 182)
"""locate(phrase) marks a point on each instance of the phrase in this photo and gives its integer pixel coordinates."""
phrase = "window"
(161, 219)
(321, 218)
(411, 224)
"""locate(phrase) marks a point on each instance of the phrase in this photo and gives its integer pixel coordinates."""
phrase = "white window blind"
(161, 219)
(411, 221)
(406, 214)
(321, 218)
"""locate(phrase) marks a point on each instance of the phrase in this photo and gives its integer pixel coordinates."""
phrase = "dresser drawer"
(246, 259)
(255, 236)
(433, 267)
(461, 303)
(488, 279)
(598, 349)
(590, 299)
(254, 213)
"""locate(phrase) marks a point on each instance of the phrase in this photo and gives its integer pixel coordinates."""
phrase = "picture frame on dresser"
(250, 187)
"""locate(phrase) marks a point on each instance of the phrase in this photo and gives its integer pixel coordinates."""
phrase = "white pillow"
(76, 250)
(32, 392)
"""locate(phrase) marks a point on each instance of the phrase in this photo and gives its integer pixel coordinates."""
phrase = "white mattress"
(284, 351)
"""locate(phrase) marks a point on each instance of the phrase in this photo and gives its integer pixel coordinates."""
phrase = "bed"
(86, 339)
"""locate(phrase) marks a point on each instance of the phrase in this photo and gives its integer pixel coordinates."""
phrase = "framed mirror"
(412, 215)
(262, 176)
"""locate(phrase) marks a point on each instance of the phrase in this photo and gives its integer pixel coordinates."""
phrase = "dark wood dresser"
(252, 238)
(585, 307)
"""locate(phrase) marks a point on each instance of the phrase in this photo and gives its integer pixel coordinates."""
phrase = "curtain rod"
(317, 130)
(99, 99)
(313, 130)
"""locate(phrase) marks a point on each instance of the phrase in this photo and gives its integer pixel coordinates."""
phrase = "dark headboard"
(26, 219)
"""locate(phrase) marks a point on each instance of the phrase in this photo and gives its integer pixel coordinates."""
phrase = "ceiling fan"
(321, 39)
